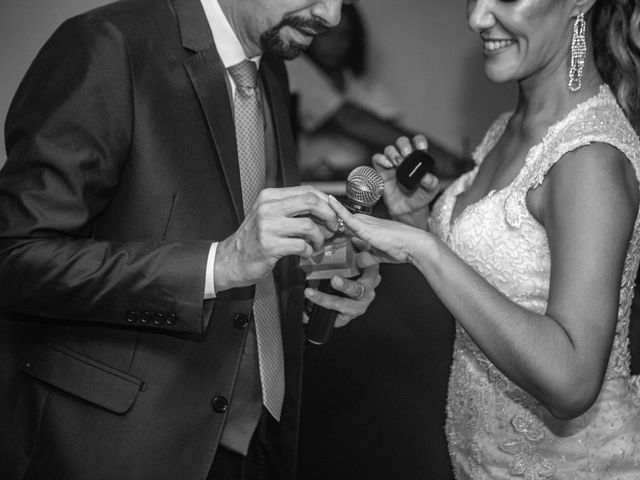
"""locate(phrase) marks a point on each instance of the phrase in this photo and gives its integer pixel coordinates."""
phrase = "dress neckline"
(489, 142)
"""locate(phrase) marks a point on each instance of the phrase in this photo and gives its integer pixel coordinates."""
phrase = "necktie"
(249, 123)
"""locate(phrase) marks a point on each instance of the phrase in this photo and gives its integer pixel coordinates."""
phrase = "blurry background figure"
(342, 113)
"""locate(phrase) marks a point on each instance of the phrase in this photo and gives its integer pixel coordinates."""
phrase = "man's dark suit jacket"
(122, 169)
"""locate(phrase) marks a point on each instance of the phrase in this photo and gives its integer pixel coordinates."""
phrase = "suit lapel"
(288, 275)
(207, 74)
(273, 75)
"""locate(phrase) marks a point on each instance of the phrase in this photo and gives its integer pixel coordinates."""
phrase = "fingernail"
(309, 292)
(339, 282)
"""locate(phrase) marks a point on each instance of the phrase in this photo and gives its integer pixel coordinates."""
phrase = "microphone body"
(364, 189)
(321, 319)
(417, 164)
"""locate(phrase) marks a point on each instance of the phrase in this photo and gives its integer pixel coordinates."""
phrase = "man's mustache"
(312, 26)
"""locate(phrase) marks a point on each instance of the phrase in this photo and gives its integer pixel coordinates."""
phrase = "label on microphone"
(338, 257)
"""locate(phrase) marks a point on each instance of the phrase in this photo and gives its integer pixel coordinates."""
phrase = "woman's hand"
(387, 240)
(408, 207)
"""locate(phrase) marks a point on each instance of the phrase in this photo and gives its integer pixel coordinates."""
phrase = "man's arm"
(68, 136)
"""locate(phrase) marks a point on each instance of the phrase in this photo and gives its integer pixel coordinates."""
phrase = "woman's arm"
(588, 204)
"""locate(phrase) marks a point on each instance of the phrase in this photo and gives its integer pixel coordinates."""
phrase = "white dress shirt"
(231, 53)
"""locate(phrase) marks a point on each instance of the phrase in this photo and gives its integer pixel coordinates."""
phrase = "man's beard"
(272, 41)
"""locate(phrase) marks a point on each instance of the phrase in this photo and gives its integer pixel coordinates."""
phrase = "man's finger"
(305, 205)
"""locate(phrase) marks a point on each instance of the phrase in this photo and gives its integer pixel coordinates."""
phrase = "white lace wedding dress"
(494, 429)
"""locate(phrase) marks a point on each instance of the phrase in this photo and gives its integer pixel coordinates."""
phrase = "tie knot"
(244, 74)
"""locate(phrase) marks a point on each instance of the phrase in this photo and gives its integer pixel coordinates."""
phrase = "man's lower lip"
(304, 35)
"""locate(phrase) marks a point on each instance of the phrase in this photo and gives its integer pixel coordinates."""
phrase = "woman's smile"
(492, 46)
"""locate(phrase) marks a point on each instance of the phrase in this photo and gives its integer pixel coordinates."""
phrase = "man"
(140, 267)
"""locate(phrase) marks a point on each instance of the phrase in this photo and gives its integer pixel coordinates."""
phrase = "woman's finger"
(429, 182)
(384, 167)
(349, 220)
(381, 160)
(393, 154)
(404, 146)
(420, 142)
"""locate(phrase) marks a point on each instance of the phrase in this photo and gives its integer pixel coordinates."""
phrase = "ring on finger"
(341, 226)
(362, 292)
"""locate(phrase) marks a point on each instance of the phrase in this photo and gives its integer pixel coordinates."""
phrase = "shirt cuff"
(209, 281)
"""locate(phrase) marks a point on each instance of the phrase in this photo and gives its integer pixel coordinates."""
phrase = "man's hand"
(359, 293)
(283, 221)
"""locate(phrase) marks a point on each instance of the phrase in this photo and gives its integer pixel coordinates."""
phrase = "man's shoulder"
(133, 15)
(128, 8)
(143, 25)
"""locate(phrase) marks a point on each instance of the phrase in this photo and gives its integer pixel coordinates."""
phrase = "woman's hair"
(616, 39)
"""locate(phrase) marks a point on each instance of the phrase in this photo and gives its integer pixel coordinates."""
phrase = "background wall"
(434, 66)
(431, 62)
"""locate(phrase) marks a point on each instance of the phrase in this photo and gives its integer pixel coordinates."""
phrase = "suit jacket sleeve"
(68, 136)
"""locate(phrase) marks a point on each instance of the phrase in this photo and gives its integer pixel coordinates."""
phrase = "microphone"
(413, 168)
(364, 188)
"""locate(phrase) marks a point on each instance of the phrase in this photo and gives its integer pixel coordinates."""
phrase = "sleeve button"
(158, 319)
(145, 317)
(132, 316)
(172, 319)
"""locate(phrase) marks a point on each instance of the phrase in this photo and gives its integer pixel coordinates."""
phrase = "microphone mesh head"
(364, 186)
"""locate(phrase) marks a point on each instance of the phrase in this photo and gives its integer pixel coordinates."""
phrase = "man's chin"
(292, 51)
(273, 41)
(285, 50)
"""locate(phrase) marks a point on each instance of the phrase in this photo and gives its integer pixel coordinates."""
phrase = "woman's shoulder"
(599, 119)
(595, 130)
(597, 183)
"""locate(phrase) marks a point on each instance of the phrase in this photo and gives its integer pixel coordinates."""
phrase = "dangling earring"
(578, 53)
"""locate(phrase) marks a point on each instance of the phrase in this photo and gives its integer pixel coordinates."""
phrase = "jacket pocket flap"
(81, 376)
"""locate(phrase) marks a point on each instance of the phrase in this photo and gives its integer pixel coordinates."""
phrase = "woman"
(535, 251)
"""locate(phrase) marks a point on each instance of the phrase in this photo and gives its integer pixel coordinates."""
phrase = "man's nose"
(328, 11)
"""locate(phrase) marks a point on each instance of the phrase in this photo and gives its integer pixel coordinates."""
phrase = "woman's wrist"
(426, 253)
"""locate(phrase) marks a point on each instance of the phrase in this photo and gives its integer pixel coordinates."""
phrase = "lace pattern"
(494, 429)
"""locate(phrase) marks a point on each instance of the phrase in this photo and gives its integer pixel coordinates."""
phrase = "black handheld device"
(415, 166)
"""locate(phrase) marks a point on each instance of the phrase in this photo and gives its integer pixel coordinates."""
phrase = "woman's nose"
(480, 15)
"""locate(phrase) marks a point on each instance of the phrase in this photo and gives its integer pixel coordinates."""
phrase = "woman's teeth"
(493, 45)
